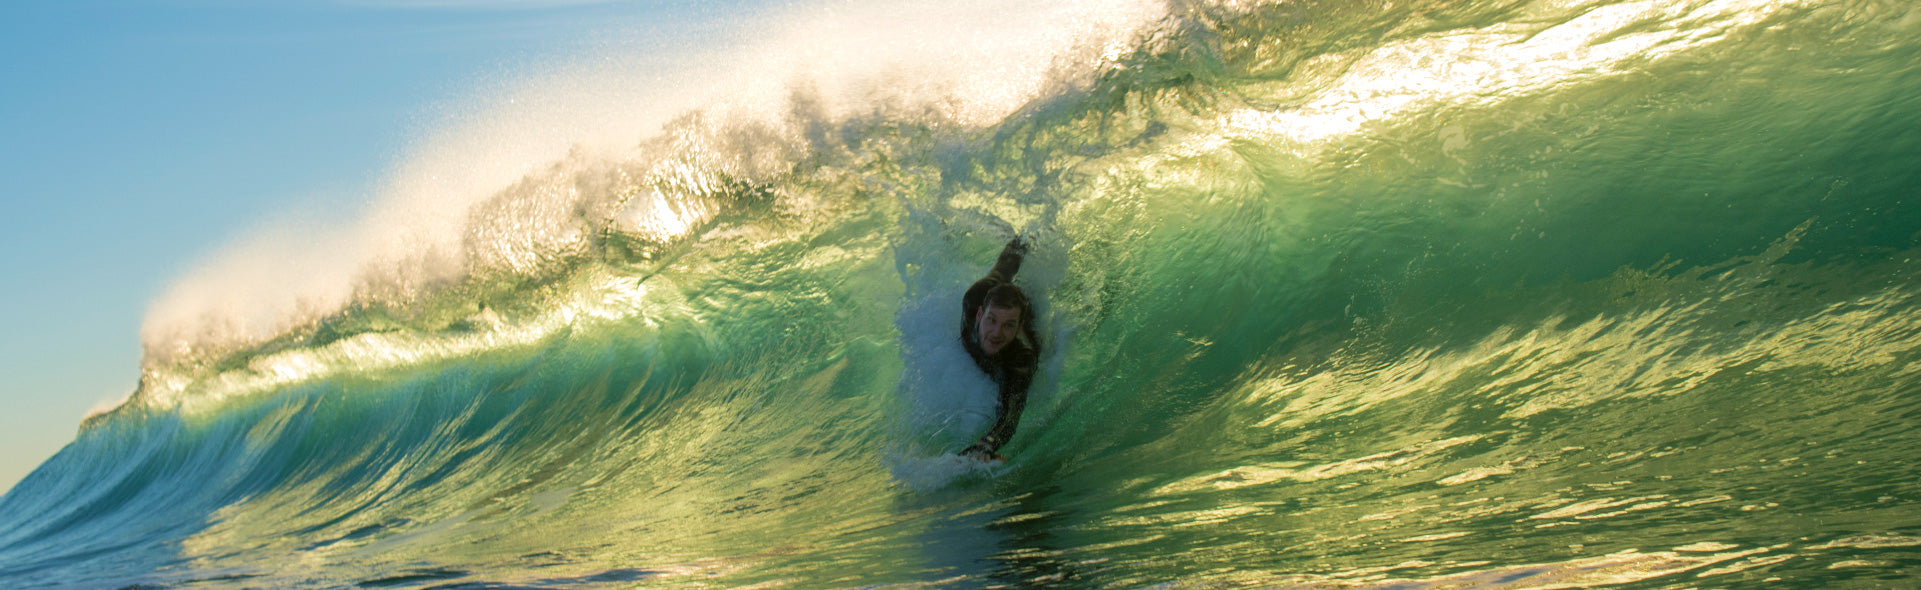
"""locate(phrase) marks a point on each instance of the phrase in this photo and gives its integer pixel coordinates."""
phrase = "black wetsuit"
(1013, 367)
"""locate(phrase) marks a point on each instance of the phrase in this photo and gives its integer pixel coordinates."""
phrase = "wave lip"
(470, 220)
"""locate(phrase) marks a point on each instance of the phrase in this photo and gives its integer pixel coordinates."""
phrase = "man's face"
(997, 326)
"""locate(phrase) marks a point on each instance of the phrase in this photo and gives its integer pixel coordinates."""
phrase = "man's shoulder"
(1020, 355)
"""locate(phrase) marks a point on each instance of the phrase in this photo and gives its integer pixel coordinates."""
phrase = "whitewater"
(1428, 294)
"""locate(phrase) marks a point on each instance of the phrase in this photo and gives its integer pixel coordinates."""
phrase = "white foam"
(924, 474)
(565, 139)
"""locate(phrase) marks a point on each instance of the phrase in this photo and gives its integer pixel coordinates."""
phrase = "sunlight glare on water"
(1483, 67)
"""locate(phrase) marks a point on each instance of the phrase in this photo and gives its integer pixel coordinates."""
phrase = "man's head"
(999, 322)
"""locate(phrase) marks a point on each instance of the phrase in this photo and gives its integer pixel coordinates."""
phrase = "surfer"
(997, 329)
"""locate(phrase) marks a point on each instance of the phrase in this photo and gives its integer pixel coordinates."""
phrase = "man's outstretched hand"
(980, 453)
(1017, 246)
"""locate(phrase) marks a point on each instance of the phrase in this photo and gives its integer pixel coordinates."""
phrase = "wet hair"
(1008, 296)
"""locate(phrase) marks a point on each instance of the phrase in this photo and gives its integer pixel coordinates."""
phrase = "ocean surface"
(1412, 294)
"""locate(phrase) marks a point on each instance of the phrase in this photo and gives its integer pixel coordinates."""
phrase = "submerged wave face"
(1335, 295)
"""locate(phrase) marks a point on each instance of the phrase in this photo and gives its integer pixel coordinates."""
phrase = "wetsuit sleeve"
(1008, 416)
(1009, 261)
(1013, 400)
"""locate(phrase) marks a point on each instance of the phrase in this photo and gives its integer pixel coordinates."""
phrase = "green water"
(1409, 295)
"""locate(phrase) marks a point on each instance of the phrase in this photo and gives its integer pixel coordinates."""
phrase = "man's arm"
(1010, 260)
(1008, 416)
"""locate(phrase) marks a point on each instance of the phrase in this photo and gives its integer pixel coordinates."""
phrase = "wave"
(480, 217)
(1342, 294)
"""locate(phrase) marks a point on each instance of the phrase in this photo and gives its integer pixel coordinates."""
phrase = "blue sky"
(142, 136)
